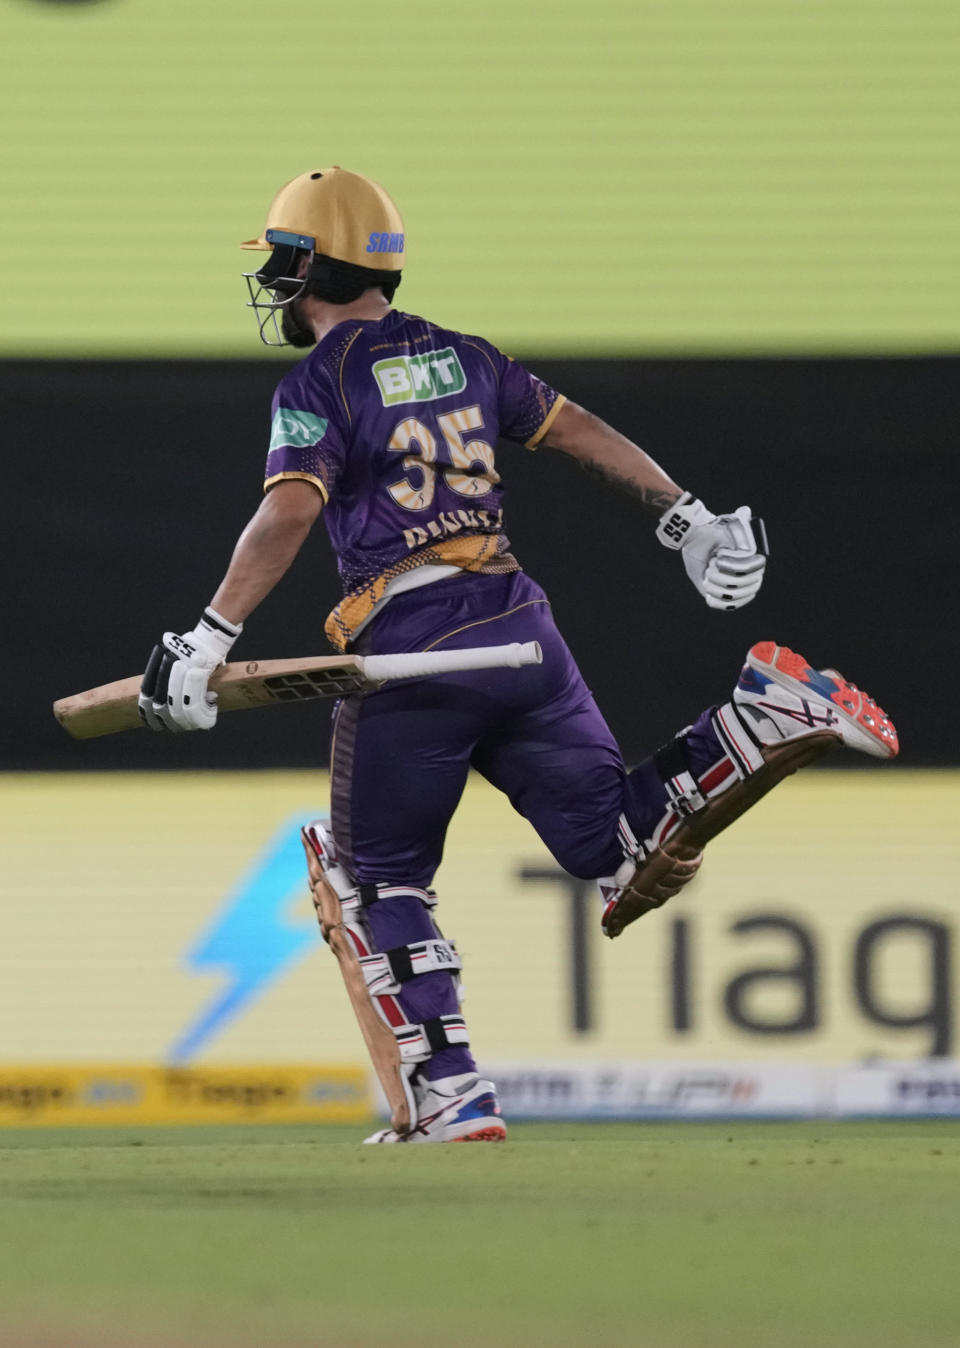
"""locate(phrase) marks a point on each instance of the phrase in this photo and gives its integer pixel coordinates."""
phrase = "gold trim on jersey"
(475, 552)
(305, 477)
(343, 357)
(484, 352)
(494, 617)
(546, 423)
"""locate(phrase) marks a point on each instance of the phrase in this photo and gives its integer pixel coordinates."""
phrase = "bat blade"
(239, 685)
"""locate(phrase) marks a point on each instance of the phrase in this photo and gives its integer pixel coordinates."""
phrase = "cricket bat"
(263, 683)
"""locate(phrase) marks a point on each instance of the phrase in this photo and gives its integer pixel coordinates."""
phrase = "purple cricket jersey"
(395, 421)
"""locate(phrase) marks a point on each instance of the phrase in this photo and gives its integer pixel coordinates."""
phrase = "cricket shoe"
(785, 698)
(453, 1109)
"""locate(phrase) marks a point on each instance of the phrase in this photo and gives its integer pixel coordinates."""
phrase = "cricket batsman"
(388, 427)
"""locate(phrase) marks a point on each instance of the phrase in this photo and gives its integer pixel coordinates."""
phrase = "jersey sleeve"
(305, 441)
(527, 405)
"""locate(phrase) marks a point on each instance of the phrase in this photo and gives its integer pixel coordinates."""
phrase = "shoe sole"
(495, 1132)
(865, 725)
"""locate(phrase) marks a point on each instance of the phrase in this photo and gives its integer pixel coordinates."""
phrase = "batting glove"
(174, 693)
(725, 555)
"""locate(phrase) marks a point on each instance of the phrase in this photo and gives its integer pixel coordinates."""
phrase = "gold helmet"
(348, 230)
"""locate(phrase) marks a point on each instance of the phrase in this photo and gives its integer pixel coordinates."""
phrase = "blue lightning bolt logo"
(252, 938)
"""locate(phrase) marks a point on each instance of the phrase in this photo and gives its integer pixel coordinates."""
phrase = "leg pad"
(382, 1045)
(672, 865)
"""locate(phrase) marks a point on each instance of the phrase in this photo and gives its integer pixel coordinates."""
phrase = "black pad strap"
(370, 893)
(400, 963)
(436, 1033)
(670, 760)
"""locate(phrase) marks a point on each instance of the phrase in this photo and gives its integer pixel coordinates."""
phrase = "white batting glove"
(174, 693)
(725, 555)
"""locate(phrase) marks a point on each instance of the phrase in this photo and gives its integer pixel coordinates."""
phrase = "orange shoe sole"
(496, 1132)
(853, 701)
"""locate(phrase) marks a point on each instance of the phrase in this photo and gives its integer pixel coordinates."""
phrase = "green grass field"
(647, 1234)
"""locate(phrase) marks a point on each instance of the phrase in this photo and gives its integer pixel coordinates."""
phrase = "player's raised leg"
(784, 714)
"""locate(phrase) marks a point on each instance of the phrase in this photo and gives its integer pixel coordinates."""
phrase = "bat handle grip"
(417, 664)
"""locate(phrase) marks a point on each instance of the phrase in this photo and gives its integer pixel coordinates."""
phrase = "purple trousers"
(401, 755)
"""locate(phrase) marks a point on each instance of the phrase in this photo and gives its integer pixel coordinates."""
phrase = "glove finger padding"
(724, 555)
(719, 576)
(726, 562)
(732, 580)
(148, 688)
(160, 708)
(174, 694)
(725, 578)
(738, 527)
(728, 602)
(190, 706)
(730, 592)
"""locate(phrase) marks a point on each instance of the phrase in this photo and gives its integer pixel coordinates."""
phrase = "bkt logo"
(417, 379)
(385, 243)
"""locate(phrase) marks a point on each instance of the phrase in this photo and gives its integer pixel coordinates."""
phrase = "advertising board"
(165, 919)
(78, 1094)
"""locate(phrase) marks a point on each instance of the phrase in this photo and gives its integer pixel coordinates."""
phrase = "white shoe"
(785, 698)
(453, 1109)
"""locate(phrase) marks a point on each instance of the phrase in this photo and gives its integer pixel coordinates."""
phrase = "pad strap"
(688, 795)
(419, 1042)
(673, 764)
(364, 896)
(385, 972)
(738, 740)
(631, 845)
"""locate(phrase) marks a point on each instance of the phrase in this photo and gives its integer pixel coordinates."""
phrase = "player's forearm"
(266, 549)
(600, 449)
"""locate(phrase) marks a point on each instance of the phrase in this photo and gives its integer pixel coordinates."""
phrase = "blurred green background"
(617, 177)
